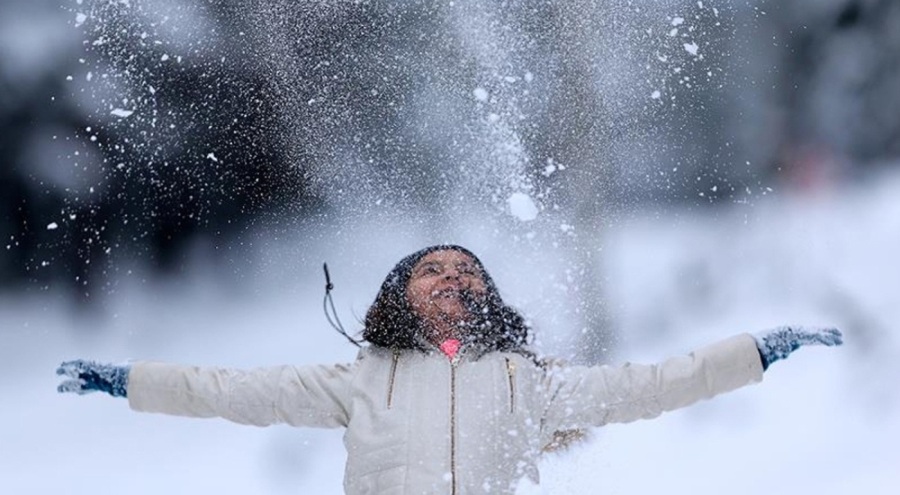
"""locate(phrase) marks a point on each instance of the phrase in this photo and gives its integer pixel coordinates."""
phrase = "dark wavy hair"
(391, 323)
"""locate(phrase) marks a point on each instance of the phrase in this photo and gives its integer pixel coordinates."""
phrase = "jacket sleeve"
(581, 396)
(316, 396)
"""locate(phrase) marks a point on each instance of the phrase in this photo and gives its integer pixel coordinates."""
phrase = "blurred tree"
(834, 73)
(136, 156)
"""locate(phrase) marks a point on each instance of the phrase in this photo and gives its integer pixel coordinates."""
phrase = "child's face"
(438, 282)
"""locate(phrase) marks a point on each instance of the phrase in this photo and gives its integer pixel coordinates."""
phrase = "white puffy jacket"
(419, 423)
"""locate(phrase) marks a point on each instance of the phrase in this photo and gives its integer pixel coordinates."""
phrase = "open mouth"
(449, 292)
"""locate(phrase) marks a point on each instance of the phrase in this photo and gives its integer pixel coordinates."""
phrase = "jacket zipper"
(511, 374)
(390, 394)
(453, 364)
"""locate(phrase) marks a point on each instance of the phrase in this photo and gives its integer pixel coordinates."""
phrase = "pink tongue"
(450, 347)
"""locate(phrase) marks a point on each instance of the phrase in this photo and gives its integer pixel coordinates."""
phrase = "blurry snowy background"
(641, 178)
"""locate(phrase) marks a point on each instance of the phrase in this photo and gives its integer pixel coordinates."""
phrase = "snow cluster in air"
(522, 207)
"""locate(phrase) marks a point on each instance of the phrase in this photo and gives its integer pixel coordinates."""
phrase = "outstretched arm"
(592, 396)
(778, 343)
(585, 396)
(317, 396)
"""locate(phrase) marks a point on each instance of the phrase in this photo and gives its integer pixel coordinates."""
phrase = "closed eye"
(429, 269)
(467, 269)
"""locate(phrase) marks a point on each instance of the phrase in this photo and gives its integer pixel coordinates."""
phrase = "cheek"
(477, 285)
(415, 295)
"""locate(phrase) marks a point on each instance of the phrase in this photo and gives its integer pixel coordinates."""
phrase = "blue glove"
(779, 342)
(88, 376)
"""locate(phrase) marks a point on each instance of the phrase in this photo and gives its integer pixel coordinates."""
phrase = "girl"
(446, 397)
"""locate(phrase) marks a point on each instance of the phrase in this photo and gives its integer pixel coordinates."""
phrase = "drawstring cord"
(328, 303)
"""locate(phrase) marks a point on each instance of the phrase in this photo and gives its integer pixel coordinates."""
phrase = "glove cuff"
(760, 345)
(119, 381)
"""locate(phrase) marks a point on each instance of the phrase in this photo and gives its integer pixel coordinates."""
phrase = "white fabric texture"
(417, 423)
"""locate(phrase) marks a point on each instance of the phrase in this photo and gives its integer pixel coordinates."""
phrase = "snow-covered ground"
(826, 421)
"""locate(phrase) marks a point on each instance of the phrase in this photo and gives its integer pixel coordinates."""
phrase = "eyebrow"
(420, 266)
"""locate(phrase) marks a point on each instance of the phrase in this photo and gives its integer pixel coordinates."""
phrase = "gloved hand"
(89, 376)
(778, 343)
